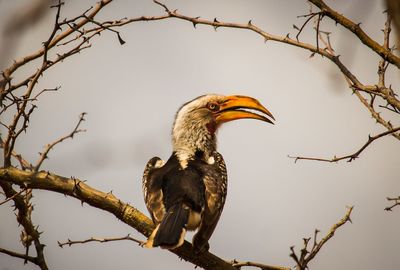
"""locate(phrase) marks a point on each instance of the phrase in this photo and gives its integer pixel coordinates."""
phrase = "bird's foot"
(199, 249)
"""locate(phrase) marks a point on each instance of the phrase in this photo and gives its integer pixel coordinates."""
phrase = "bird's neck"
(188, 143)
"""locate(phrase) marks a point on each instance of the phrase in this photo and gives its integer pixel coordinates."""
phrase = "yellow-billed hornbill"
(188, 191)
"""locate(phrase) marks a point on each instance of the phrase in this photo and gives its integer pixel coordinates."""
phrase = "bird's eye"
(212, 106)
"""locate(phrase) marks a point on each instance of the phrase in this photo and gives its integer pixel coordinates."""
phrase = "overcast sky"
(131, 94)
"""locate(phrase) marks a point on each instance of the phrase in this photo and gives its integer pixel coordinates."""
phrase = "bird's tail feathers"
(170, 233)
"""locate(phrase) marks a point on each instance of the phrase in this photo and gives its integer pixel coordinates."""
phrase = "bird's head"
(197, 121)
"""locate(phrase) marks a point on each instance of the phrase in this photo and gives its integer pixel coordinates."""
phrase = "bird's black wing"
(152, 191)
(175, 198)
(215, 181)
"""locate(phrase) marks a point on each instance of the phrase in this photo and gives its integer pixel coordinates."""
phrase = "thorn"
(121, 41)
(249, 23)
(215, 26)
(295, 27)
(349, 219)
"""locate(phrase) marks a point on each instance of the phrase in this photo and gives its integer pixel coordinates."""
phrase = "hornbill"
(188, 191)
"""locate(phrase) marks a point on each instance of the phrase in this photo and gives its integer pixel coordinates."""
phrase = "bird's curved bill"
(242, 107)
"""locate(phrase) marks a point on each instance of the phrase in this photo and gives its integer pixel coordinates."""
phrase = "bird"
(188, 191)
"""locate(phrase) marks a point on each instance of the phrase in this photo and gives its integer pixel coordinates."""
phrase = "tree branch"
(302, 260)
(356, 30)
(353, 156)
(13, 196)
(50, 146)
(30, 233)
(19, 255)
(100, 240)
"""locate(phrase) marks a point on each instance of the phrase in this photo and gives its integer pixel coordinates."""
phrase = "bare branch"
(357, 31)
(20, 62)
(50, 146)
(19, 255)
(100, 240)
(29, 233)
(306, 255)
(377, 116)
(353, 156)
(13, 196)
(310, 16)
(24, 164)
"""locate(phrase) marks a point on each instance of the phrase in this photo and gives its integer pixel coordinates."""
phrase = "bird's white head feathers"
(194, 127)
(196, 122)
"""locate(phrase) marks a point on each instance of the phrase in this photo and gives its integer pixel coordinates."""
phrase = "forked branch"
(306, 255)
(50, 146)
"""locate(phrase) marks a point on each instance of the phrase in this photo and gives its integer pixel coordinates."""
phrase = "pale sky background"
(131, 94)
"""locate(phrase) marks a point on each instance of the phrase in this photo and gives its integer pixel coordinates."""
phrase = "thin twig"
(353, 156)
(23, 162)
(13, 196)
(50, 146)
(303, 259)
(377, 116)
(310, 16)
(19, 255)
(100, 240)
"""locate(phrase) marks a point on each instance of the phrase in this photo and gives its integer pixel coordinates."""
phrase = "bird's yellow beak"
(241, 107)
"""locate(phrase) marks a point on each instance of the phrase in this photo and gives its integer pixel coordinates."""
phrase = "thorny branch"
(19, 255)
(353, 156)
(381, 91)
(355, 28)
(100, 240)
(21, 106)
(50, 146)
(13, 196)
(307, 255)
